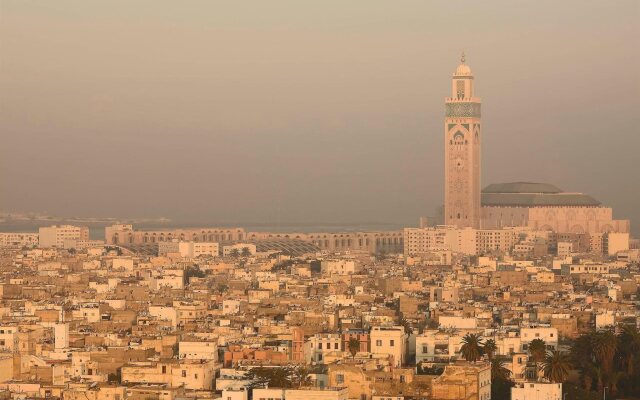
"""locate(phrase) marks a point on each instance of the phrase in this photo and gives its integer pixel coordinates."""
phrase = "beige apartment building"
(391, 340)
(18, 239)
(192, 374)
(425, 241)
(55, 236)
(463, 381)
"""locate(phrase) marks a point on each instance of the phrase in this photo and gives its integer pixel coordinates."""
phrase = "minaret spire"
(462, 151)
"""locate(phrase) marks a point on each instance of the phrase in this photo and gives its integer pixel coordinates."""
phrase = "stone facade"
(462, 152)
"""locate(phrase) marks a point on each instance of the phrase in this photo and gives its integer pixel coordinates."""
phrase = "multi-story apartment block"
(391, 340)
(55, 236)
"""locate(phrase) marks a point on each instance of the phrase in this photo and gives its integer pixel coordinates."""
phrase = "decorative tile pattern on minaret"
(462, 151)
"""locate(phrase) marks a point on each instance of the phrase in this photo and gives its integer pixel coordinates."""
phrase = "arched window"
(460, 89)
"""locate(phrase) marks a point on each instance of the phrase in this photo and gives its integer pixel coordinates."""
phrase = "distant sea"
(96, 229)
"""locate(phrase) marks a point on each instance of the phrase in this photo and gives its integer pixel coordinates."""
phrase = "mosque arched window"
(460, 89)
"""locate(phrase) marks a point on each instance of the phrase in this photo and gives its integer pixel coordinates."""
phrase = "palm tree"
(354, 346)
(499, 371)
(490, 348)
(604, 346)
(471, 348)
(583, 359)
(407, 325)
(234, 253)
(556, 366)
(299, 376)
(538, 349)
(630, 346)
(501, 382)
(538, 352)
(246, 252)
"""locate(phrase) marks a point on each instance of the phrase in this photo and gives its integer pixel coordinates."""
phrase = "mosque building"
(539, 206)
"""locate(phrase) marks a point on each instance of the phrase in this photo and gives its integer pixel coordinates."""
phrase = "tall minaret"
(462, 151)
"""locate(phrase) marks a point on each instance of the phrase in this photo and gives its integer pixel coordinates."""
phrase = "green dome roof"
(521, 187)
(528, 194)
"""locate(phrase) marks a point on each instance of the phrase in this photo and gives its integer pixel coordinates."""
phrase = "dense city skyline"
(321, 112)
(319, 200)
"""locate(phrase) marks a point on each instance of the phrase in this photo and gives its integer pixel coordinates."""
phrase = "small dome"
(463, 69)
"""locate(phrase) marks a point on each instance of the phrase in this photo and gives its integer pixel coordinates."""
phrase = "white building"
(391, 340)
(338, 267)
(590, 268)
(613, 242)
(230, 306)
(537, 390)
(605, 320)
(433, 345)
(268, 394)
(55, 236)
(452, 321)
(547, 334)
(421, 241)
(321, 344)
(189, 249)
(61, 336)
(18, 239)
(201, 350)
(317, 394)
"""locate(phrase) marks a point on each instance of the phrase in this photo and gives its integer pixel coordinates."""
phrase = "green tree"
(192, 271)
(246, 252)
(490, 348)
(299, 376)
(235, 253)
(407, 325)
(280, 377)
(222, 288)
(354, 346)
(277, 377)
(498, 369)
(630, 348)
(583, 359)
(471, 349)
(501, 382)
(556, 366)
(604, 345)
(538, 352)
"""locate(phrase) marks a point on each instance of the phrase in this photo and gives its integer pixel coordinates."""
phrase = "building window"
(339, 379)
(184, 373)
(378, 342)
(391, 342)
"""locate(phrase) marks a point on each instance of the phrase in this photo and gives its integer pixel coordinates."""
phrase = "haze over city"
(315, 111)
(319, 200)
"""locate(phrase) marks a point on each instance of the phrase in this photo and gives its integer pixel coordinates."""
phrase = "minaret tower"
(462, 151)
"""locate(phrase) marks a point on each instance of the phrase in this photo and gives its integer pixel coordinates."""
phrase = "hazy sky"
(307, 110)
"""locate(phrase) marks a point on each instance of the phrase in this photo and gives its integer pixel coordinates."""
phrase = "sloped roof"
(521, 187)
(529, 194)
